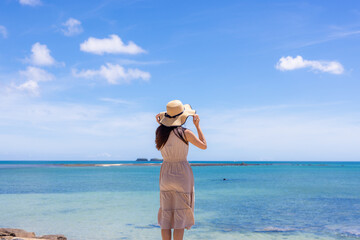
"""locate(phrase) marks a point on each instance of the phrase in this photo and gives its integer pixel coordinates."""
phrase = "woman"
(177, 197)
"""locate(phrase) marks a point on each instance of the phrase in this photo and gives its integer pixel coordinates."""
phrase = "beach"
(120, 200)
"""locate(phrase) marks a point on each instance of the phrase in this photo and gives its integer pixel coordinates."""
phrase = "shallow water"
(280, 201)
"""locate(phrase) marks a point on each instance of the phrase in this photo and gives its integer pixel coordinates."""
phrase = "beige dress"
(177, 196)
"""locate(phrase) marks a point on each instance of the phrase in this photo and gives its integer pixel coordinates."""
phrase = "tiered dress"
(177, 194)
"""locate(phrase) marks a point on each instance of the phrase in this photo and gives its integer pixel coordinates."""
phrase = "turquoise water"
(297, 200)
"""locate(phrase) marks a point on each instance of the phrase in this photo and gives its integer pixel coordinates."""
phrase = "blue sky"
(271, 80)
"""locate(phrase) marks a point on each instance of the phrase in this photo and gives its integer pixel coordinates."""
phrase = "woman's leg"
(178, 234)
(166, 234)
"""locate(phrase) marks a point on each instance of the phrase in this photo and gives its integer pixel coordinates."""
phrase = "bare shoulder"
(188, 132)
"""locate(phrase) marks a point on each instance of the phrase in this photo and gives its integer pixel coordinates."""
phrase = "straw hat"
(176, 113)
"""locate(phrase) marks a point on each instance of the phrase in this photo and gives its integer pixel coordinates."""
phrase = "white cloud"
(3, 31)
(289, 63)
(35, 129)
(116, 100)
(37, 74)
(41, 55)
(72, 27)
(113, 45)
(30, 2)
(280, 132)
(30, 86)
(114, 74)
(33, 75)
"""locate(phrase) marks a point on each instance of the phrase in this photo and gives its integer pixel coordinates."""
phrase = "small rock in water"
(16, 232)
(53, 237)
(19, 234)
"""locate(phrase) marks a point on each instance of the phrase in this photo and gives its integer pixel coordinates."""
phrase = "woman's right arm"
(158, 118)
(200, 141)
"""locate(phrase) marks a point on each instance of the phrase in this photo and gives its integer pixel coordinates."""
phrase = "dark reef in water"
(156, 160)
(158, 163)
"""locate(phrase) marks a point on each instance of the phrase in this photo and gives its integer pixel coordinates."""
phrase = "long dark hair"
(163, 132)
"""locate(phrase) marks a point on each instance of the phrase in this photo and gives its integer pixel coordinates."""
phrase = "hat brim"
(179, 120)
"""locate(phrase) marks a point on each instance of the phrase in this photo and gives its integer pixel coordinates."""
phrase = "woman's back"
(175, 149)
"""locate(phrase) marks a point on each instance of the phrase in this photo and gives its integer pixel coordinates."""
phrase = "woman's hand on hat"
(158, 118)
(196, 120)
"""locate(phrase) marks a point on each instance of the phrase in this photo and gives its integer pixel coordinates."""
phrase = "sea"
(272, 200)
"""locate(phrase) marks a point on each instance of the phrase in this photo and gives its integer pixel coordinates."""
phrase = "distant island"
(156, 160)
(141, 160)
